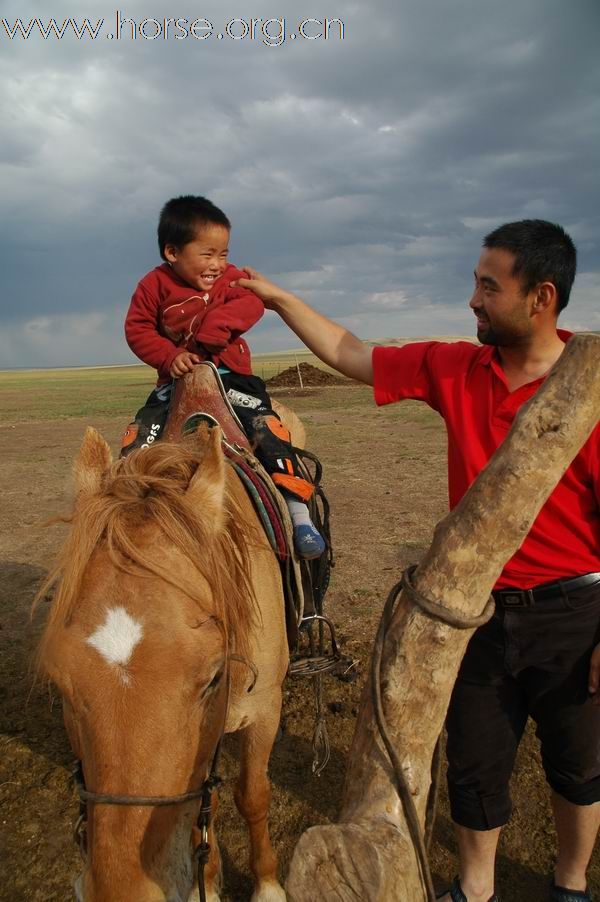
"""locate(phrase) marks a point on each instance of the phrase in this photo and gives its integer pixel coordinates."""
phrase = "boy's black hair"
(182, 216)
(543, 253)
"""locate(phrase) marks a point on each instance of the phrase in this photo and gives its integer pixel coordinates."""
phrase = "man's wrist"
(284, 300)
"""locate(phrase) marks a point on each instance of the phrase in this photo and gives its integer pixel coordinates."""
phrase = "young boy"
(185, 311)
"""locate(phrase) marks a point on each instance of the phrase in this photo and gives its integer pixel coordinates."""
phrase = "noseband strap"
(201, 852)
(99, 798)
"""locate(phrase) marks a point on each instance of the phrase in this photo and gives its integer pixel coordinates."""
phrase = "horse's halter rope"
(202, 851)
(441, 613)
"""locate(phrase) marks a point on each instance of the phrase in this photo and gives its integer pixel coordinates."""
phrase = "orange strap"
(275, 426)
(293, 484)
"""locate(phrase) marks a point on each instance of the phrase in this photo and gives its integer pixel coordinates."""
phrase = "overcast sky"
(360, 172)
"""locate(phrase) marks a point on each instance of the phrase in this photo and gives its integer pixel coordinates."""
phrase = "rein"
(202, 851)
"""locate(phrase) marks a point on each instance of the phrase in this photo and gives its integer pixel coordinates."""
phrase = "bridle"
(202, 851)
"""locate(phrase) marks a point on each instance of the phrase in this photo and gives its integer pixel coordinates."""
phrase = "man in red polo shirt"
(539, 656)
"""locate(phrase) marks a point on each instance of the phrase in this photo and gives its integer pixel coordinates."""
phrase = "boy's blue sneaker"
(308, 542)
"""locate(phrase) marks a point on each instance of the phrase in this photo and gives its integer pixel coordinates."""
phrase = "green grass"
(100, 391)
(119, 391)
(56, 394)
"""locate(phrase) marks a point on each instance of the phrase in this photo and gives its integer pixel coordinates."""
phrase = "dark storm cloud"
(362, 172)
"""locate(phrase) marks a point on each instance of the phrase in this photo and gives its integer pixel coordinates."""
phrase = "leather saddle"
(200, 397)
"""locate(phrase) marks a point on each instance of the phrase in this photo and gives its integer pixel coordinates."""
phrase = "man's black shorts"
(531, 661)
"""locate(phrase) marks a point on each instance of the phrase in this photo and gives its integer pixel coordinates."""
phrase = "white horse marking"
(268, 891)
(117, 637)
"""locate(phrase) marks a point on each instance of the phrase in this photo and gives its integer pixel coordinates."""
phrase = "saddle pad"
(270, 519)
(264, 494)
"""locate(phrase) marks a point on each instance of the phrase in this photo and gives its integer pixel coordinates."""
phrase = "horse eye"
(215, 681)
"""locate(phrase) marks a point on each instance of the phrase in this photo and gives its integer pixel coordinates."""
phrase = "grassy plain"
(100, 391)
(51, 394)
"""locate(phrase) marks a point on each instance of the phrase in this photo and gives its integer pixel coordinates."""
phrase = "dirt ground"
(385, 478)
(304, 375)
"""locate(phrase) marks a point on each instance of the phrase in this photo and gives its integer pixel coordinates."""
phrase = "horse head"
(152, 592)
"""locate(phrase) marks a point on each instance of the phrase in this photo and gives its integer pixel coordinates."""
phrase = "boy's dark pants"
(527, 662)
(249, 398)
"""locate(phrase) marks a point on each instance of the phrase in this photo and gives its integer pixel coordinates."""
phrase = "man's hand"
(267, 291)
(332, 343)
(594, 677)
(183, 363)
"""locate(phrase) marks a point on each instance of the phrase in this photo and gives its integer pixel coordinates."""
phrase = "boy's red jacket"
(166, 316)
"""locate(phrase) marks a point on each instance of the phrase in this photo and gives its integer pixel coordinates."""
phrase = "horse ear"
(207, 486)
(92, 462)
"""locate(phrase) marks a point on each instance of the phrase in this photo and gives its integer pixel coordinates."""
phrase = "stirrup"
(315, 663)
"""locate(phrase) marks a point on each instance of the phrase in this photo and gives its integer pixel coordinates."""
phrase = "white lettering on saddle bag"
(154, 431)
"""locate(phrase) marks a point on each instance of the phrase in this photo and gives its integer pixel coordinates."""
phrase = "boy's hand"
(183, 363)
(267, 291)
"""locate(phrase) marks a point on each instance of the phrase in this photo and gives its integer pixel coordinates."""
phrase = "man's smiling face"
(498, 301)
(200, 262)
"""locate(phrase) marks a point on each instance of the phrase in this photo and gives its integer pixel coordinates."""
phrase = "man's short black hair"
(543, 253)
(182, 216)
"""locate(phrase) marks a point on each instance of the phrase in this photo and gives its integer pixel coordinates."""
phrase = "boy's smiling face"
(201, 261)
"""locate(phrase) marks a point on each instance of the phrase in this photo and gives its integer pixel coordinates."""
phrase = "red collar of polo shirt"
(489, 355)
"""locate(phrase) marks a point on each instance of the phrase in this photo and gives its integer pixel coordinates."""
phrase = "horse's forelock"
(148, 488)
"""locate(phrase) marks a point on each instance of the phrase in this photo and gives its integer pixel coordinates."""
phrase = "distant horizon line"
(255, 356)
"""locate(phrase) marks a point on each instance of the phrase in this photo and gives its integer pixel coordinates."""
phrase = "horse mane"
(150, 488)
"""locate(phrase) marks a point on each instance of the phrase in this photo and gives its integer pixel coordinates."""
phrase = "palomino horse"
(166, 629)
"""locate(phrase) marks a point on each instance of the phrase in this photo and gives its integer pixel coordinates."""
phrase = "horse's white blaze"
(117, 637)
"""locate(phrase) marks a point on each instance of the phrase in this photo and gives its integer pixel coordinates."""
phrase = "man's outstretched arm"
(332, 343)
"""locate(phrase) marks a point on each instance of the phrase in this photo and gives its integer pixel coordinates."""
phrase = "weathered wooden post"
(368, 856)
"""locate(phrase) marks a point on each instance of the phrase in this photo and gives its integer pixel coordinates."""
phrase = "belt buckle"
(517, 598)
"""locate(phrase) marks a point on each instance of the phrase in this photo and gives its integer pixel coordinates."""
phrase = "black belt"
(525, 598)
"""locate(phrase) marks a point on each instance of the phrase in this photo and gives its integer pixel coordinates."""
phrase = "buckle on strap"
(515, 598)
